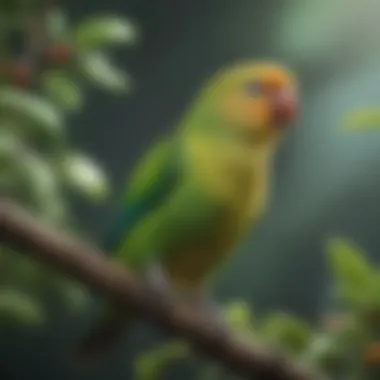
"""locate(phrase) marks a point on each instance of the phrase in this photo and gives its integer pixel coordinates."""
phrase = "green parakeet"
(199, 189)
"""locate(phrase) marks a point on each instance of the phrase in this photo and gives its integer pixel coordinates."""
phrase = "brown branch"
(23, 232)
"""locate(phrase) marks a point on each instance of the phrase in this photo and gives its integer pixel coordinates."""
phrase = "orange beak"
(285, 106)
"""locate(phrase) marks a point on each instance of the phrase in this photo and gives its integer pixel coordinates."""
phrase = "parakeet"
(199, 189)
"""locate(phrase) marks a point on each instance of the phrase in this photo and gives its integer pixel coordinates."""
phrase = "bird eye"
(252, 88)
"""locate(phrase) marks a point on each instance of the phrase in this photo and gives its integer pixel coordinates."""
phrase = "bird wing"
(152, 182)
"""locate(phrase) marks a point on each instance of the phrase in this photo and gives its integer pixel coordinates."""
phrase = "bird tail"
(106, 333)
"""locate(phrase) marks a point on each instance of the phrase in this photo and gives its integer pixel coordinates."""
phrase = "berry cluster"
(19, 72)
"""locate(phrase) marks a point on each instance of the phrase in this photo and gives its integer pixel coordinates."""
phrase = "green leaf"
(62, 89)
(289, 332)
(18, 308)
(32, 175)
(238, 315)
(10, 144)
(326, 351)
(98, 69)
(43, 183)
(85, 176)
(362, 119)
(33, 109)
(35, 176)
(96, 32)
(57, 24)
(151, 364)
(353, 275)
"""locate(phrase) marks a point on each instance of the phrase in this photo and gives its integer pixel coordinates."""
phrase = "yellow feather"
(239, 176)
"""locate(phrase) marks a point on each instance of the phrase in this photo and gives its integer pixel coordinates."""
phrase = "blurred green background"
(326, 182)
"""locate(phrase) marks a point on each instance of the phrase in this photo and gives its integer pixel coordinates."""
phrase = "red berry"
(58, 54)
(20, 74)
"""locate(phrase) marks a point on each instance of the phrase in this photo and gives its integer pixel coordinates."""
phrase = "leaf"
(98, 69)
(289, 332)
(33, 175)
(151, 364)
(57, 25)
(85, 176)
(32, 108)
(41, 179)
(352, 273)
(18, 308)
(62, 89)
(95, 32)
(10, 143)
(238, 315)
(325, 351)
(362, 119)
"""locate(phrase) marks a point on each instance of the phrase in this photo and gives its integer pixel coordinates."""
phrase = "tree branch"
(25, 233)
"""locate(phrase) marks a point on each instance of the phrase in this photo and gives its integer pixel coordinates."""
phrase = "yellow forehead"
(266, 72)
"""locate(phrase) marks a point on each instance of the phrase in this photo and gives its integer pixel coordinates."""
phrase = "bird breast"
(236, 175)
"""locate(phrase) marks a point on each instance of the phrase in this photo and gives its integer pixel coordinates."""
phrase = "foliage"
(341, 342)
(357, 284)
(152, 364)
(353, 275)
(39, 89)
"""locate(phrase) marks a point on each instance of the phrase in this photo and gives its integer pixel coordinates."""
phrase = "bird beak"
(285, 106)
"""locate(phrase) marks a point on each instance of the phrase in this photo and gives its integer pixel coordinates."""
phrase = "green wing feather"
(151, 183)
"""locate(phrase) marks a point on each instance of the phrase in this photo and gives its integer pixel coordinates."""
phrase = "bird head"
(256, 101)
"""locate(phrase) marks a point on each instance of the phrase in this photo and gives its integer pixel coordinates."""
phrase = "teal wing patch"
(151, 184)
